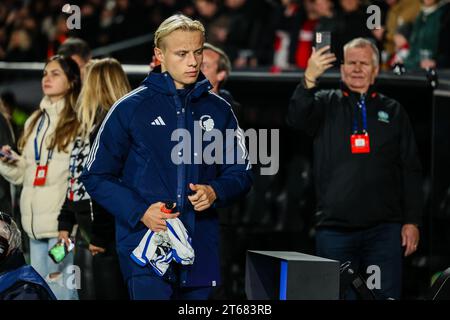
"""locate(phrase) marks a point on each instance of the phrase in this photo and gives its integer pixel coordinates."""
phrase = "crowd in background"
(254, 33)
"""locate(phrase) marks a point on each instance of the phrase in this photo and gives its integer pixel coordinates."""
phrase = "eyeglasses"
(5, 217)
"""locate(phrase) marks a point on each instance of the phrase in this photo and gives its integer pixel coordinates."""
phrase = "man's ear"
(375, 74)
(342, 72)
(159, 54)
(221, 75)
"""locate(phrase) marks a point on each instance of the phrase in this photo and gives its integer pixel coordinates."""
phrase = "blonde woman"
(104, 84)
(43, 168)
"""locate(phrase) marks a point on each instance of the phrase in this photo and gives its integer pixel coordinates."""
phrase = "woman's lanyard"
(41, 170)
(360, 142)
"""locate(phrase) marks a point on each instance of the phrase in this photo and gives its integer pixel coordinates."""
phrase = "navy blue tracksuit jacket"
(130, 167)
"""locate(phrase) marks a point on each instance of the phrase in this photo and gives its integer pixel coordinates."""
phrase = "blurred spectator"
(400, 12)
(427, 36)
(251, 31)
(126, 21)
(3, 43)
(302, 37)
(401, 45)
(216, 66)
(210, 14)
(17, 115)
(90, 17)
(20, 47)
(324, 8)
(78, 50)
(285, 14)
(57, 32)
(123, 20)
(6, 138)
(348, 23)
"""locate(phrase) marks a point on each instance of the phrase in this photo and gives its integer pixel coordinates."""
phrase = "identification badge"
(41, 175)
(360, 143)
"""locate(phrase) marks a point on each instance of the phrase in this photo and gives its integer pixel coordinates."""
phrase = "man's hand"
(203, 197)
(155, 220)
(95, 250)
(427, 63)
(410, 238)
(318, 63)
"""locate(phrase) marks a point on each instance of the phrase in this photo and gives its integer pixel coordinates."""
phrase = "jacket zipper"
(32, 220)
(183, 114)
(92, 210)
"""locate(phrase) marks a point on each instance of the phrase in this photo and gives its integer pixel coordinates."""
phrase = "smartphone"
(7, 155)
(59, 251)
(323, 39)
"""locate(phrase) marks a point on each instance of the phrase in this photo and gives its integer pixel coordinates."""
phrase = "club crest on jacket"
(206, 123)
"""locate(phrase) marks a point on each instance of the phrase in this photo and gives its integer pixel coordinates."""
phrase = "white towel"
(159, 248)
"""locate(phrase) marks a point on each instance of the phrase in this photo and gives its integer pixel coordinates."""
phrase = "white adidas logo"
(158, 122)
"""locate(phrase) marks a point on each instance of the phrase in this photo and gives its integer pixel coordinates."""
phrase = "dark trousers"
(108, 280)
(101, 278)
(155, 287)
(368, 249)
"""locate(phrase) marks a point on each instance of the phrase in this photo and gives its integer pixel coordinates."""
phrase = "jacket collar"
(163, 82)
(369, 95)
(429, 10)
(52, 108)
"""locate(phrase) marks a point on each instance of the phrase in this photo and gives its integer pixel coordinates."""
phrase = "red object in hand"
(167, 207)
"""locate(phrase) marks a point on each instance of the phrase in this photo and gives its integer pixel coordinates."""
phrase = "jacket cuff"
(65, 226)
(301, 90)
(415, 221)
(220, 193)
(99, 241)
(137, 214)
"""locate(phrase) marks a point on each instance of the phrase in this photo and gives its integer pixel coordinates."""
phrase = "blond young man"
(133, 170)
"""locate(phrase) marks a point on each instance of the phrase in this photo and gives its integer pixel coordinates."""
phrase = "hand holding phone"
(7, 155)
(59, 251)
(3, 154)
(320, 60)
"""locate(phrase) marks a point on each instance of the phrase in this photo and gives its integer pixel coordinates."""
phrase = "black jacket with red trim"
(366, 189)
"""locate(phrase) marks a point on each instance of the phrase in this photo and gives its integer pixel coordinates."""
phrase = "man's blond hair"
(176, 22)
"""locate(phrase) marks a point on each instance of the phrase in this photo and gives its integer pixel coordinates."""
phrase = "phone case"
(322, 39)
(7, 155)
(59, 251)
